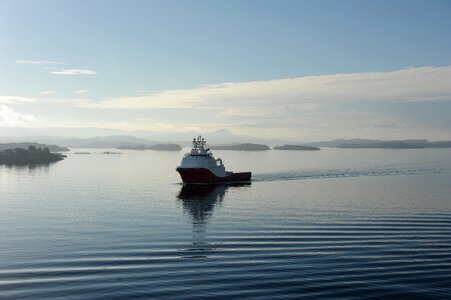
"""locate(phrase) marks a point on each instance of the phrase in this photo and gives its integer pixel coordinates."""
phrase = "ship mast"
(199, 143)
(199, 146)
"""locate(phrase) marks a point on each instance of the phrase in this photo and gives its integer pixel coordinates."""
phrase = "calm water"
(329, 224)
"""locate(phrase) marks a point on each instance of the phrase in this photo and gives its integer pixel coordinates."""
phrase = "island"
(380, 144)
(157, 147)
(32, 155)
(242, 147)
(383, 145)
(296, 147)
(402, 144)
(25, 145)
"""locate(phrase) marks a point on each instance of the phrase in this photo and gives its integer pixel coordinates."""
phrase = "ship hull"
(205, 176)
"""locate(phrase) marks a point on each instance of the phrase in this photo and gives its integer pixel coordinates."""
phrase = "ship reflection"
(199, 202)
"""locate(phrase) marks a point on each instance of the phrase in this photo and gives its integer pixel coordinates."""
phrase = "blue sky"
(132, 65)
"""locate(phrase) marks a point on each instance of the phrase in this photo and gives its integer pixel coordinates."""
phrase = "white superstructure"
(199, 157)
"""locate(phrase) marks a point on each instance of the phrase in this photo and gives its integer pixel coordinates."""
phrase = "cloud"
(46, 92)
(413, 84)
(408, 103)
(75, 72)
(10, 118)
(16, 99)
(312, 107)
(80, 91)
(38, 62)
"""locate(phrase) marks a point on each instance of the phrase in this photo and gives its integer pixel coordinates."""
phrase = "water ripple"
(368, 257)
(345, 173)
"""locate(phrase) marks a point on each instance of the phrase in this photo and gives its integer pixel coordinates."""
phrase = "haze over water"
(332, 224)
(335, 223)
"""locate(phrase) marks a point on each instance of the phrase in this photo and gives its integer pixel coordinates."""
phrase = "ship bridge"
(201, 157)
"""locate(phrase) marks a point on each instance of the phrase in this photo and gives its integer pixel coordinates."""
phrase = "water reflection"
(199, 202)
(20, 169)
(26, 166)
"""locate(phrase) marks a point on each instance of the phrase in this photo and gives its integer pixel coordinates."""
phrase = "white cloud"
(80, 91)
(38, 62)
(366, 105)
(16, 99)
(313, 107)
(46, 92)
(10, 118)
(75, 72)
(413, 84)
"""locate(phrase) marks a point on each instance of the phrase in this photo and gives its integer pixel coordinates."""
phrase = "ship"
(200, 167)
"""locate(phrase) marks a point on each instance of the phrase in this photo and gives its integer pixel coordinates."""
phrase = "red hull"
(202, 175)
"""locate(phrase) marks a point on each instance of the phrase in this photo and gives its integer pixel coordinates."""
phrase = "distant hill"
(157, 147)
(102, 138)
(52, 148)
(112, 141)
(108, 138)
(379, 144)
(296, 147)
(133, 147)
(440, 144)
(104, 144)
(32, 155)
(166, 147)
(242, 147)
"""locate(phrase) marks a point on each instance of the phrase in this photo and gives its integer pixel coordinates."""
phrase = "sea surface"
(335, 223)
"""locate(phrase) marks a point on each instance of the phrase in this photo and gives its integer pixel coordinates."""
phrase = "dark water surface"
(326, 224)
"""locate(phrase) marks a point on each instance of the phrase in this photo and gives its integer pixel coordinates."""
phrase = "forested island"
(32, 155)
(157, 147)
(25, 145)
(296, 147)
(242, 147)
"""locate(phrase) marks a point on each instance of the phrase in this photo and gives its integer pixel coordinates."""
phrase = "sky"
(297, 70)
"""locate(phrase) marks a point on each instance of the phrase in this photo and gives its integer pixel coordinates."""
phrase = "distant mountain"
(113, 138)
(157, 147)
(296, 147)
(166, 147)
(112, 141)
(25, 145)
(221, 137)
(379, 144)
(440, 144)
(385, 144)
(101, 138)
(133, 147)
(242, 147)
(335, 143)
(102, 144)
